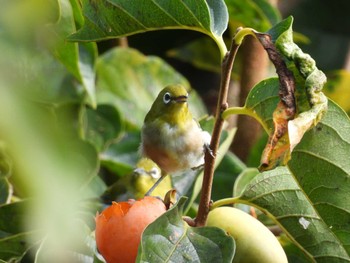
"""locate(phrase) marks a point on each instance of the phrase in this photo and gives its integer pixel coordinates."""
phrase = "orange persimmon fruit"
(119, 227)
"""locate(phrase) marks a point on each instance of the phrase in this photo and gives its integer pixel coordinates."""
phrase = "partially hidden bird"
(170, 136)
(136, 184)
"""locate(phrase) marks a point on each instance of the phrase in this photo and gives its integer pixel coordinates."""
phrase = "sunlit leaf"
(209, 17)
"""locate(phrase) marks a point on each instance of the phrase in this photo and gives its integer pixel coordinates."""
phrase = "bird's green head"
(145, 175)
(170, 105)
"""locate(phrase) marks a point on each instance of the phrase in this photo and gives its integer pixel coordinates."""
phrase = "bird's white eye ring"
(155, 174)
(167, 98)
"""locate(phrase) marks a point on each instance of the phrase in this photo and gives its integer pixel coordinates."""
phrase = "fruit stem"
(225, 201)
(210, 154)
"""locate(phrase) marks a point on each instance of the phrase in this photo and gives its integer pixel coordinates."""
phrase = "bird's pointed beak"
(181, 99)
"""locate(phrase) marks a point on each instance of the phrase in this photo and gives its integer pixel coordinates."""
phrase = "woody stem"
(210, 154)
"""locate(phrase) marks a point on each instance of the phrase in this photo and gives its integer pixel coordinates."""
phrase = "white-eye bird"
(136, 184)
(170, 136)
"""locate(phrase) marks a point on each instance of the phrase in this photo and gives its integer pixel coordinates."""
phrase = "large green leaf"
(310, 200)
(170, 239)
(116, 18)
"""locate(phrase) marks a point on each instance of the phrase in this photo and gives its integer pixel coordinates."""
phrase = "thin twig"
(210, 154)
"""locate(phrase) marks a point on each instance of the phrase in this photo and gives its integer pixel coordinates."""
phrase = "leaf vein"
(167, 13)
(322, 158)
(128, 14)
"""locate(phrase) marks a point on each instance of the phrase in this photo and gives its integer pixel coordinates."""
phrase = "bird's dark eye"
(167, 98)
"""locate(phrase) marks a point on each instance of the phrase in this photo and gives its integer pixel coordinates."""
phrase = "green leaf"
(5, 190)
(244, 178)
(260, 103)
(311, 201)
(170, 239)
(77, 12)
(203, 53)
(294, 253)
(102, 125)
(79, 59)
(209, 17)
(13, 216)
(5, 162)
(13, 247)
(258, 14)
(122, 156)
(131, 81)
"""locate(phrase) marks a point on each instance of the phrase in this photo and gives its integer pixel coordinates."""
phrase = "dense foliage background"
(72, 104)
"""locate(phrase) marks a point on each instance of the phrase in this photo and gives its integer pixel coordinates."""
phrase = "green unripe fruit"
(254, 242)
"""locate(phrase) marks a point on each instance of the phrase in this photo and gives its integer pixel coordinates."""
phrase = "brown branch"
(210, 154)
